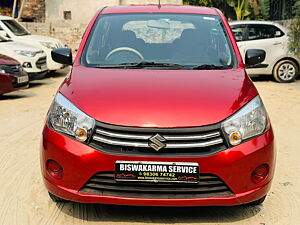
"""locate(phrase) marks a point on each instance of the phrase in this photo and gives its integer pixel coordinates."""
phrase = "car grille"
(11, 69)
(41, 62)
(157, 141)
(104, 184)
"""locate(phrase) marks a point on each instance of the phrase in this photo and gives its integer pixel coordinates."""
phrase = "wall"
(83, 10)
(34, 10)
(68, 32)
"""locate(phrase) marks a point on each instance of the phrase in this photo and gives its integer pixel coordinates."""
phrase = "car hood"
(5, 60)
(158, 98)
(38, 38)
(14, 45)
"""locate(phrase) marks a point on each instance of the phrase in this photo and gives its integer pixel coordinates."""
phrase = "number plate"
(22, 79)
(177, 172)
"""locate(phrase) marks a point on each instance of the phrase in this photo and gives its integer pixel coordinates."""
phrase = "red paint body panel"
(164, 99)
(163, 9)
(7, 80)
(147, 98)
(6, 84)
(234, 166)
(6, 60)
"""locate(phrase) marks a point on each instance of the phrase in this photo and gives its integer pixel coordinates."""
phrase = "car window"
(239, 32)
(261, 31)
(147, 31)
(15, 27)
(185, 39)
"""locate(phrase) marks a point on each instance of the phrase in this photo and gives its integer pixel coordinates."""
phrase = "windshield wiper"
(210, 67)
(142, 64)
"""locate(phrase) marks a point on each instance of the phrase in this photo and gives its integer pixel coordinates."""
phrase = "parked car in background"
(273, 38)
(12, 76)
(9, 27)
(161, 114)
(32, 59)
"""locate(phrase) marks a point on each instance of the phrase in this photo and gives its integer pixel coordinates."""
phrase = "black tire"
(285, 71)
(55, 198)
(257, 202)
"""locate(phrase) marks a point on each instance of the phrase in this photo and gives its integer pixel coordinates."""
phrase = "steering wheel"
(124, 49)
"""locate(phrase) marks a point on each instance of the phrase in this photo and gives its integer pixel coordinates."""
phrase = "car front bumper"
(234, 166)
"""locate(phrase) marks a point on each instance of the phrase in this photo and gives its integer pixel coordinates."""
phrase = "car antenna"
(159, 5)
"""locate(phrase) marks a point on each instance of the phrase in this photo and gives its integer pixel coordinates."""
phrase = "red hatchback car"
(12, 75)
(158, 111)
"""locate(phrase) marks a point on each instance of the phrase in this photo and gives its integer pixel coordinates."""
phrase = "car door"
(240, 33)
(266, 37)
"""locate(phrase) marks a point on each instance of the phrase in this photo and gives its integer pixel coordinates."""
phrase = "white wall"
(83, 10)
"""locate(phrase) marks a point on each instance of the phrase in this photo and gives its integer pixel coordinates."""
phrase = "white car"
(32, 59)
(273, 39)
(9, 27)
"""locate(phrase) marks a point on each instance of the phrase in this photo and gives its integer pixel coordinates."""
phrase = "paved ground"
(24, 200)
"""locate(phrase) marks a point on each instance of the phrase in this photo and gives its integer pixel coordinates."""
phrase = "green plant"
(208, 3)
(264, 6)
(294, 43)
(241, 8)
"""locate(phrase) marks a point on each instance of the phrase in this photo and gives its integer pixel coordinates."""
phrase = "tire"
(55, 198)
(257, 202)
(285, 71)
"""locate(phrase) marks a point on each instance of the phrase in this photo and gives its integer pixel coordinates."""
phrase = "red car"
(159, 93)
(12, 75)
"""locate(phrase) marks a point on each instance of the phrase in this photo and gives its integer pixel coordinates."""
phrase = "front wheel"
(285, 71)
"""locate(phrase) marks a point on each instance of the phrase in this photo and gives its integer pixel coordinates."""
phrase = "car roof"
(163, 9)
(5, 17)
(231, 23)
(251, 22)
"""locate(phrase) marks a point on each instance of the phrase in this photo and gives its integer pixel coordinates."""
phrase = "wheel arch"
(288, 58)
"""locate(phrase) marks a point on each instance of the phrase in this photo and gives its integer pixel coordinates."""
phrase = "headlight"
(49, 45)
(66, 118)
(26, 53)
(248, 122)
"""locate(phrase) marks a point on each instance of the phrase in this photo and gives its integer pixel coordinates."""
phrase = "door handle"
(277, 43)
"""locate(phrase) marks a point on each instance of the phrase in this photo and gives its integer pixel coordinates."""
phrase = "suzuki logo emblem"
(157, 142)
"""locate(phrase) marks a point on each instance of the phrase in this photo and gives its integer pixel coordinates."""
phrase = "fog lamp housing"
(54, 169)
(260, 173)
(27, 65)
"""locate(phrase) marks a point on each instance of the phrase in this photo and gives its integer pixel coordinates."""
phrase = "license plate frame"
(157, 172)
(22, 79)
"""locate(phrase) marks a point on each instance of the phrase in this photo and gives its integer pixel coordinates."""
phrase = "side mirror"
(62, 56)
(254, 57)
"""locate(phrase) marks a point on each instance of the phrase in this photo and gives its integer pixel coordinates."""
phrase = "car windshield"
(180, 41)
(15, 27)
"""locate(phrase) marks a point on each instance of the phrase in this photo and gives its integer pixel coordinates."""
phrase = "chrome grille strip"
(120, 143)
(194, 144)
(125, 136)
(191, 137)
(166, 136)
